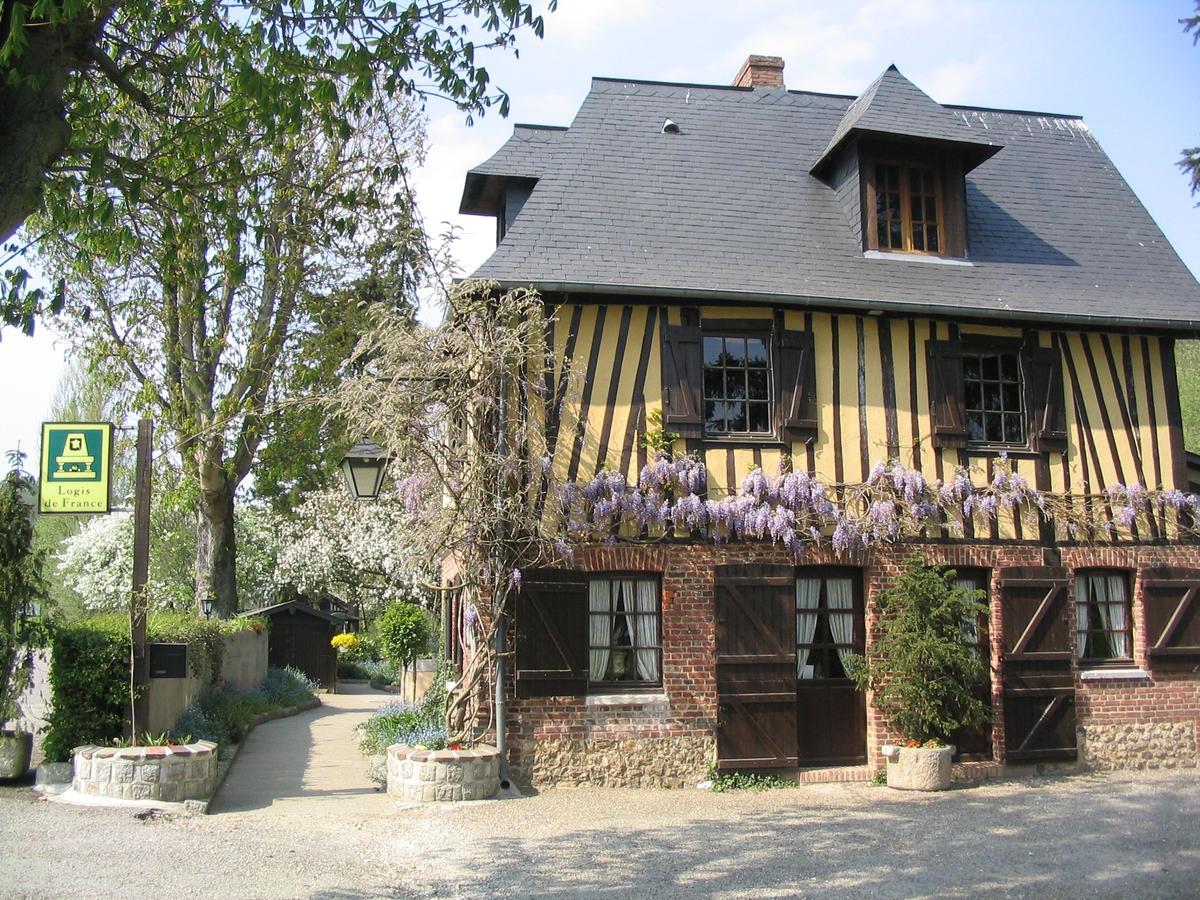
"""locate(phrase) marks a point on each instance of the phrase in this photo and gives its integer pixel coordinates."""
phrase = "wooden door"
(828, 626)
(1039, 687)
(756, 667)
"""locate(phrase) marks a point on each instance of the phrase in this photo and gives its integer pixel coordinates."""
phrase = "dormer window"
(905, 207)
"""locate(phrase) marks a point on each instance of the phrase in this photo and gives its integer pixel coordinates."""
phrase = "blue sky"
(1126, 67)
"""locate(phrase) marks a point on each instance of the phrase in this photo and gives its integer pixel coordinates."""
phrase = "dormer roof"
(895, 108)
(524, 155)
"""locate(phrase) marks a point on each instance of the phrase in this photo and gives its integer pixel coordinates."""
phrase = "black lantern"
(363, 467)
(206, 605)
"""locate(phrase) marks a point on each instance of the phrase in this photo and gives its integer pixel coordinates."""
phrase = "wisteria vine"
(797, 510)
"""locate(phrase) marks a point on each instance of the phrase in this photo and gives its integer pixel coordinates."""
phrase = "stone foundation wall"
(428, 776)
(1139, 745)
(169, 774)
(633, 762)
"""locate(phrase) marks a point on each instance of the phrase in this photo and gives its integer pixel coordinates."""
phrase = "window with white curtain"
(1103, 624)
(825, 620)
(624, 643)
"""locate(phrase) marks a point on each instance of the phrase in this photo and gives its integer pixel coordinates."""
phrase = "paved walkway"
(307, 765)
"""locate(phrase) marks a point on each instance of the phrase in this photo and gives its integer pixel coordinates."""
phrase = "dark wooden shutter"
(755, 613)
(797, 386)
(1044, 398)
(946, 401)
(1169, 596)
(683, 373)
(1039, 688)
(552, 634)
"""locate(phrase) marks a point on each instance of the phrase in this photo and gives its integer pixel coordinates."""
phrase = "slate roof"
(726, 210)
(527, 154)
(893, 105)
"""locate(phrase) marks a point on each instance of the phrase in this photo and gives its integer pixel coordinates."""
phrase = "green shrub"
(403, 632)
(923, 668)
(224, 715)
(21, 584)
(746, 781)
(89, 681)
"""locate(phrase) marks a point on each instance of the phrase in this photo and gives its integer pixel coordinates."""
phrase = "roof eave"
(1187, 326)
(973, 152)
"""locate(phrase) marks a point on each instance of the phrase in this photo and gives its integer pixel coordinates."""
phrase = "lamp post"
(206, 606)
(363, 467)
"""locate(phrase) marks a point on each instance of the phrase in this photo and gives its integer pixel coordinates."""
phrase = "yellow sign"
(76, 467)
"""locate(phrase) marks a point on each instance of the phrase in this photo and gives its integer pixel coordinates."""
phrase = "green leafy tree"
(21, 585)
(79, 76)
(923, 667)
(402, 632)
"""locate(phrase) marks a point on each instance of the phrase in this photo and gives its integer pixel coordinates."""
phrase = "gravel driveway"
(1046, 836)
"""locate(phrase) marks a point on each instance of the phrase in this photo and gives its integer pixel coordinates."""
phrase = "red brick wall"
(689, 641)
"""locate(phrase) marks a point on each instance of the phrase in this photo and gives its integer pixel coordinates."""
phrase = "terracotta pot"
(16, 747)
(918, 768)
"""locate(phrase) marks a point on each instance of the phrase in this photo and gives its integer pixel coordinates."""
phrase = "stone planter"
(431, 776)
(16, 747)
(169, 774)
(918, 768)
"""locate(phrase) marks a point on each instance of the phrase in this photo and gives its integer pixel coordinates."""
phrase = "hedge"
(89, 672)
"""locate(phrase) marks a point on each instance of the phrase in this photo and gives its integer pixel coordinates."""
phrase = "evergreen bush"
(923, 666)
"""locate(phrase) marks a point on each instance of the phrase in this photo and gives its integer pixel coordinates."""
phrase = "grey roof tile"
(727, 209)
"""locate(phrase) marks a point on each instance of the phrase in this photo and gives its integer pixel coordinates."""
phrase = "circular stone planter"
(433, 776)
(169, 774)
(918, 768)
(16, 748)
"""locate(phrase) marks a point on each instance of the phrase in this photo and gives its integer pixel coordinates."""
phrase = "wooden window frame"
(979, 351)
(1100, 662)
(743, 328)
(905, 166)
(631, 686)
(857, 610)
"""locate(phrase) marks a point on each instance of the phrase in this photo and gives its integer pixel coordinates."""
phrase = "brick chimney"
(760, 71)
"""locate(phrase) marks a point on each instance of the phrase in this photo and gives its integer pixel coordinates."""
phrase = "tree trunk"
(216, 550)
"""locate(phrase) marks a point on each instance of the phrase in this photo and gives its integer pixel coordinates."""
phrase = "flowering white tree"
(364, 553)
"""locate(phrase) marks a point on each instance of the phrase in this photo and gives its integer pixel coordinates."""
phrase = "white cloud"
(584, 21)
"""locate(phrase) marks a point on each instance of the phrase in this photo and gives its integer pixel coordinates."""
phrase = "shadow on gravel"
(1055, 837)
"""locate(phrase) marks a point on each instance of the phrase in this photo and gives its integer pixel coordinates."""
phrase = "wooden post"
(139, 663)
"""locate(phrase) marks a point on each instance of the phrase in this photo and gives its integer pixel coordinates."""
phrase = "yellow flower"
(344, 642)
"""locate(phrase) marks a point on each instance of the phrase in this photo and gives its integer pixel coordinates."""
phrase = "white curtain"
(839, 593)
(1082, 604)
(646, 628)
(808, 593)
(600, 621)
(970, 627)
(1113, 613)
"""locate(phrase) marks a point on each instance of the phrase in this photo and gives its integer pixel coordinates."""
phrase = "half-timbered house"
(824, 282)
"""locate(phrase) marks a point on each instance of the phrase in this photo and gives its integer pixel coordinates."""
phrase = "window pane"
(974, 395)
(918, 208)
(735, 351)
(895, 234)
(712, 351)
(756, 352)
(760, 417)
(918, 237)
(971, 366)
(991, 397)
(1008, 367)
(758, 384)
(714, 384)
(714, 416)
(975, 426)
(735, 384)
(737, 417)
(882, 236)
(1012, 429)
(995, 428)
(933, 240)
(991, 367)
(1011, 395)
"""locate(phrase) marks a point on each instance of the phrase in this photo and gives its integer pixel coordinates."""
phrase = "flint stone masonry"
(632, 762)
(1139, 745)
(433, 776)
(168, 774)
